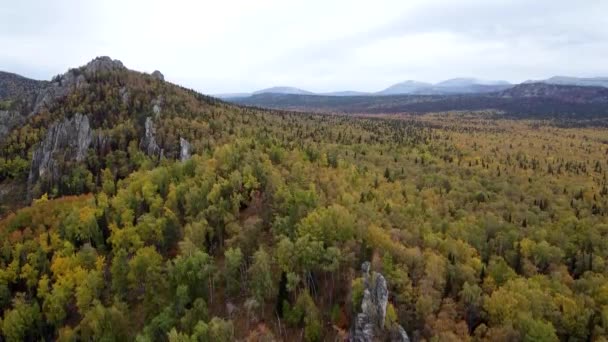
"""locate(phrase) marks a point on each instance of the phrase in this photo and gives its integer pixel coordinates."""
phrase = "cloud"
(240, 45)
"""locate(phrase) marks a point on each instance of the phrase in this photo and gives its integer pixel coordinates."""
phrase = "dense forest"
(485, 228)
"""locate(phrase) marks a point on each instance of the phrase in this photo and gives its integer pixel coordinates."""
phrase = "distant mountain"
(451, 86)
(531, 100)
(272, 90)
(13, 85)
(575, 81)
(346, 93)
(467, 82)
(283, 90)
(465, 86)
(407, 87)
(232, 95)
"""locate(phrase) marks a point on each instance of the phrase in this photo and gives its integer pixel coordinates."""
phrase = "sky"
(319, 45)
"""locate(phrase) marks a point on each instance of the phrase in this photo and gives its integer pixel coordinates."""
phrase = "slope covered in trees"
(485, 229)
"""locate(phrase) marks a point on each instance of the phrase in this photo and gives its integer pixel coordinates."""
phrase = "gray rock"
(369, 324)
(364, 329)
(156, 110)
(158, 75)
(398, 334)
(184, 147)
(103, 64)
(68, 140)
(365, 267)
(157, 106)
(148, 143)
(380, 299)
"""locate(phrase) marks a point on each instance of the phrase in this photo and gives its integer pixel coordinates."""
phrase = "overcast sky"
(319, 45)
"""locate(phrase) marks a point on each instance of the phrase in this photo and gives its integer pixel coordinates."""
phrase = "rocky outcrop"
(67, 140)
(148, 143)
(157, 106)
(61, 85)
(184, 149)
(369, 323)
(158, 75)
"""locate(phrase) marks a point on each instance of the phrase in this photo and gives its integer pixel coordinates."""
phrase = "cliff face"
(67, 140)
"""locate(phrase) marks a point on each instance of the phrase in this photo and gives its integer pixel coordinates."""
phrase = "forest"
(486, 228)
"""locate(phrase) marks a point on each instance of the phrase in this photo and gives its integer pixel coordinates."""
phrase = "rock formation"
(156, 106)
(67, 140)
(148, 143)
(369, 323)
(158, 75)
(184, 149)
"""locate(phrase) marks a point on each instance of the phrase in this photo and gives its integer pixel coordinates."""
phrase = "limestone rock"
(67, 140)
(158, 75)
(103, 64)
(369, 324)
(398, 334)
(184, 148)
(148, 143)
(157, 106)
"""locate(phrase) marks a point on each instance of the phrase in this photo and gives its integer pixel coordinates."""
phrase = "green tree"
(22, 322)
(233, 269)
(260, 273)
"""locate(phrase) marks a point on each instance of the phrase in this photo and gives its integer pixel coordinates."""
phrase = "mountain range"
(447, 87)
(527, 100)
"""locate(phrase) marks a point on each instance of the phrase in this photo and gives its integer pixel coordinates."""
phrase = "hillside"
(13, 85)
(576, 81)
(135, 209)
(534, 100)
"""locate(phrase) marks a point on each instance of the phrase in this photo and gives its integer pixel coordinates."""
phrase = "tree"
(328, 225)
(120, 273)
(260, 273)
(233, 264)
(22, 322)
(105, 324)
(221, 330)
(193, 272)
(147, 280)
